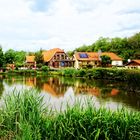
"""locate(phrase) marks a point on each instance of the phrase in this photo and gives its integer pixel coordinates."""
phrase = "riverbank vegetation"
(103, 73)
(23, 116)
(127, 75)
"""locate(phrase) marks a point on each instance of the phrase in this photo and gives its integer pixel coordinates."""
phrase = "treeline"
(12, 57)
(18, 57)
(127, 48)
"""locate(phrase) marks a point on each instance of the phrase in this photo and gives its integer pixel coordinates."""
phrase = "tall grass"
(24, 117)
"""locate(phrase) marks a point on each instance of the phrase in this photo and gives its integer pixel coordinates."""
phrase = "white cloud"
(66, 23)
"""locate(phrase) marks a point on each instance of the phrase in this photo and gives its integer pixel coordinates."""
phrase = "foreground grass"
(25, 118)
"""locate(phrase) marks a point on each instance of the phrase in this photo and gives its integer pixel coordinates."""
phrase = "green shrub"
(45, 68)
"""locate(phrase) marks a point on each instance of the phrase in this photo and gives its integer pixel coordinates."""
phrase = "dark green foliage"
(127, 48)
(39, 57)
(45, 68)
(10, 56)
(104, 73)
(39, 65)
(105, 60)
(22, 72)
(1, 57)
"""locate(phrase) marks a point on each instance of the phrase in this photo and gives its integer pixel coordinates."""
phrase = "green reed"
(24, 117)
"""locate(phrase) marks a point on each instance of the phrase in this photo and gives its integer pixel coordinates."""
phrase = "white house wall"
(117, 63)
(76, 64)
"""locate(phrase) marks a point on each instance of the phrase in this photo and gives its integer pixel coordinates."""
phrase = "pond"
(62, 90)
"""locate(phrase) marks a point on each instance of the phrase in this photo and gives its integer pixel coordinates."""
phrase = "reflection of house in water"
(30, 81)
(93, 90)
(52, 86)
(55, 87)
(87, 90)
(114, 92)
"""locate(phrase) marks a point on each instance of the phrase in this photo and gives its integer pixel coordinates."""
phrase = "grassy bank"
(96, 73)
(103, 73)
(25, 117)
(25, 72)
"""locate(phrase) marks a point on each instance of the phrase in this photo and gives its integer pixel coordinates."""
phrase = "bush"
(39, 65)
(45, 68)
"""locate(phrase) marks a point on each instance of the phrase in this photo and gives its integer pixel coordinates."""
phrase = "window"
(62, 56)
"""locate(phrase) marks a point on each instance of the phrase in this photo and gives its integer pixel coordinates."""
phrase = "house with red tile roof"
(55, 58)
(133, 64)
(94, 59)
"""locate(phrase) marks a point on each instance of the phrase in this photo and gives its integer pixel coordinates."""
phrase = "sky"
(31, 25)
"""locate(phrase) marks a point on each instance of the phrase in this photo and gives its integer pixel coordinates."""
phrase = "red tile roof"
(30, 59)
(48, 55)
(95, 56)
(137, 61)
(113, 56)
(91, 56)
(133, 62)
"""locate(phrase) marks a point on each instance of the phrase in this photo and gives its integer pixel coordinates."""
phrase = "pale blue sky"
(33, 24)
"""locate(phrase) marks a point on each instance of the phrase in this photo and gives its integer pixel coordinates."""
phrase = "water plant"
(24, 116)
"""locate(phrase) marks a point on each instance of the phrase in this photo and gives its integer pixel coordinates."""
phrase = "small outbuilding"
(133, 64)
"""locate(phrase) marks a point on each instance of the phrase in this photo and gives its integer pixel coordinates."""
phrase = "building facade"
(133, 64)
(55, 58)
(93, 59)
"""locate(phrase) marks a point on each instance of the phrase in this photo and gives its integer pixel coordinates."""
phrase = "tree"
(20, 58)
(105, 60)
(82, 48)
(70, 53)
(10, 56)
(1, 57)
(39, 57)
(102, 44)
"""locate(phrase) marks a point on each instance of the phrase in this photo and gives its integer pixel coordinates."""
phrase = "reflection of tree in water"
(13, 79)
(124, 92)
(114, 90)
(1, 86)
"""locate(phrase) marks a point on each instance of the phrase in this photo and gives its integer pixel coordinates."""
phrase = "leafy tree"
(82, 48)
(10, 56)
(102, 44)
(105, 60)
(134, 43)
(70, 53)
(127, 48)
(20, 58)
(1, 57)
(39, 57)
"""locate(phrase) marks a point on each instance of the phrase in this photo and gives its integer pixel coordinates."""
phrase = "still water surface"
(58, 91)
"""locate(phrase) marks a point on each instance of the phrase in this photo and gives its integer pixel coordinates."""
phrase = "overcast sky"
(33, 24)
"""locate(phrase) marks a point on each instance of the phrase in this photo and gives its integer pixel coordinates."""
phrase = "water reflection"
(1, 85)
(105, 91)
